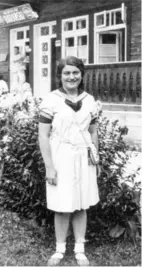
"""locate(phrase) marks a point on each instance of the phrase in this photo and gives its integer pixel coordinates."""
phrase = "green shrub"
(22, 186)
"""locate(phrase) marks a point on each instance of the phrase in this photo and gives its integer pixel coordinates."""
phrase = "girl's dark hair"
(73, 61)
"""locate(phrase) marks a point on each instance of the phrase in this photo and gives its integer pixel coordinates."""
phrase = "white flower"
(7, 157)
(1, 115)
(5, 139)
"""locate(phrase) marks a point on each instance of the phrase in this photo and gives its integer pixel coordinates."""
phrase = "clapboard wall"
(4, 52)
(135, 45)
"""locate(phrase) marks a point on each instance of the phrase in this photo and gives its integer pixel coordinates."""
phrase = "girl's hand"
(51, 175)
(98, 170)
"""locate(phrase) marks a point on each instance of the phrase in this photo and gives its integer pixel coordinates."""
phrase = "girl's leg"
(79, 222)
(61, 223)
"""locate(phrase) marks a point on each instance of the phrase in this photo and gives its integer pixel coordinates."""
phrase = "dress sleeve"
(47, 109)
(96, 108)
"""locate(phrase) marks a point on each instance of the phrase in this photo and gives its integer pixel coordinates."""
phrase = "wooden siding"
(135, 48)
(66, 8)
(4, 49)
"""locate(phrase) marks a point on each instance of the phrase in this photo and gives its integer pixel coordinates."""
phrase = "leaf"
(30, 163)
(133, 227)
(117, 231)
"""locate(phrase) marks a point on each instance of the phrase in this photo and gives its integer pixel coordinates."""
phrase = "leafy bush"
(119, 206)
(22, 185)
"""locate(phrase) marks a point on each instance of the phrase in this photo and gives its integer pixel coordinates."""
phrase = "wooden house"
(106, 34)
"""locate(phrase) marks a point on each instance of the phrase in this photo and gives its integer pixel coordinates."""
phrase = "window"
(75, 37)
(68, 26)
(69, 42)
(81, 24)
(44, 30)
(100, 19)
(27, 34)
(20, 35)
(53, 29)
(110, 17)
(110, 33)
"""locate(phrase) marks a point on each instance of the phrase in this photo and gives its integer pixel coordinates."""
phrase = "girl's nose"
(71, 76)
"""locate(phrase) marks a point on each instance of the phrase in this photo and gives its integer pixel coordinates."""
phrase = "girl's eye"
(76, 73)
(66, 73)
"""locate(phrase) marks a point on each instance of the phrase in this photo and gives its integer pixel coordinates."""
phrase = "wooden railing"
(114, 83)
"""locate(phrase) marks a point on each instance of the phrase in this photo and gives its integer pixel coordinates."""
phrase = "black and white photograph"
(70, 133)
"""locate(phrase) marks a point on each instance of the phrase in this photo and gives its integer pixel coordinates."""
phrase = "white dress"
(76, 187)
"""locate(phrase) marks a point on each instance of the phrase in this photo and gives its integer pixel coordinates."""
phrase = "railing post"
(111, 79)
(94, 86)
(124, 87)
(138, 88)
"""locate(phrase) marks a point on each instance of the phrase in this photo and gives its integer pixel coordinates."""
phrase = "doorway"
(19, 38)
(44, 58)
(109, 47)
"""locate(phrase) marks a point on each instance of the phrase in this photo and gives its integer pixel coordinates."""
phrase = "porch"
(118, 83)
(118, 87)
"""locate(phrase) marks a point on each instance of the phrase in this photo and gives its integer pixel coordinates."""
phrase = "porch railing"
(115, 83)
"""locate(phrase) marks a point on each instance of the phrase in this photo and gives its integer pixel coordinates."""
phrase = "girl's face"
(71, 77)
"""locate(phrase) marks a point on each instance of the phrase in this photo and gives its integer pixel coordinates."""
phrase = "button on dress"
(76, 187)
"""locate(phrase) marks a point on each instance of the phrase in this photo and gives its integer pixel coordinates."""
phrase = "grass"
(24, 243)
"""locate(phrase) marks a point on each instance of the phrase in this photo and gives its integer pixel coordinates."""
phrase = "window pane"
(45, 59)
(100, 20)
(68, 26)
(44, 72)
(70, 51)
(27, 33)
(82, 40)
(112, 18)
(107, 19)
(69, 42)
(82, 53)
(44, 47)
(81, 24)
(44, 30)
(108, 38)
(53, 29)
(20, 35)
(118, 17)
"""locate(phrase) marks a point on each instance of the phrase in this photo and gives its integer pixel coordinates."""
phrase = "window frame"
(75, 33)
(116, 27)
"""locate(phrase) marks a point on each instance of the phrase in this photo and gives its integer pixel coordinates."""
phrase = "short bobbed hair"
(72, 61)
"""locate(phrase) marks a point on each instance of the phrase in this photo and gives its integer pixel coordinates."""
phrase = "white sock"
(79, 248)
(61, 247)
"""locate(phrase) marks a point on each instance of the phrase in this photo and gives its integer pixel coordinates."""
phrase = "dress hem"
(62, 211)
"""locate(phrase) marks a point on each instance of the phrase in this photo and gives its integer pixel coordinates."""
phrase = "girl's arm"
(44, 133)
(93, 129)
